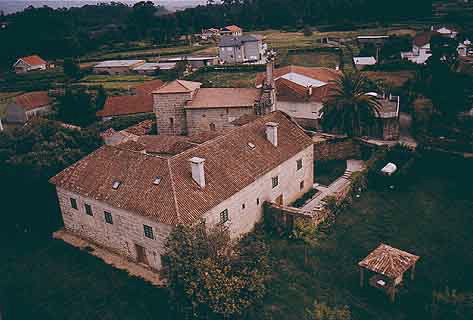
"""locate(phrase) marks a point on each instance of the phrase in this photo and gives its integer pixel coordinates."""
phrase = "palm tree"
(349, 108)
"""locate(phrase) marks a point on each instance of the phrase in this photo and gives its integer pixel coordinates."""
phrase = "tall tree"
(210, 276)
(76, 107)
(349, 108)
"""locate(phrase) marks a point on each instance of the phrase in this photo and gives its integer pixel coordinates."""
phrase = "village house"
(209, 33)
(301, 92)
(361, 62)
(30, 63)
(27, 105)
(116, 67)
(195, 62)
(184, 108)
(420, 48)
(232, 30)
(129, 201)
(445, 31)
(239, 49)
(140, 102)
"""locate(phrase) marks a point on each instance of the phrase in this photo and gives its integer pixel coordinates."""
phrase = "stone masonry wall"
(199, 120)
(335, 148)
(171, 106)
(246, 207)
(121, 236)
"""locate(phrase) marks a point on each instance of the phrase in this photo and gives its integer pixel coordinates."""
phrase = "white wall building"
(129, 201)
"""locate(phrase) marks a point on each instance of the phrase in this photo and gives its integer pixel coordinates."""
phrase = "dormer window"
(251, 145)
(116, 185)
(157, 181)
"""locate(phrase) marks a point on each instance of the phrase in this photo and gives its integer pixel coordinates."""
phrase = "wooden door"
(141, 254)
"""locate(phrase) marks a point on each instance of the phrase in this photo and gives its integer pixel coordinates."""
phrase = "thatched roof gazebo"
(389, 265)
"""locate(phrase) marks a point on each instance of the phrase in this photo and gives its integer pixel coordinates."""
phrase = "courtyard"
(430, 216)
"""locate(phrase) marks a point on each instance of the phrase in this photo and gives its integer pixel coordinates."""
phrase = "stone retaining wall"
(330, 147)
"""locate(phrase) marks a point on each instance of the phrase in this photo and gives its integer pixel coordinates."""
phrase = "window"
(275, 181)
(243, 206)
(257, 201)
(88, 209)
(299, 164)
(171, 122)
(224, 216)
(74, 203)
(302, 184)
(108, 217)
(148, 231)
(212, 127)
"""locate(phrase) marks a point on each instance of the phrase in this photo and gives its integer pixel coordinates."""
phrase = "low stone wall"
(331, 147)
(282, 218)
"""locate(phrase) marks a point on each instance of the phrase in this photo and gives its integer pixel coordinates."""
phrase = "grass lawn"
(430, 217)
(312, 59)
(110, 78)
(327, 172)
(48, 279)
(226, 79)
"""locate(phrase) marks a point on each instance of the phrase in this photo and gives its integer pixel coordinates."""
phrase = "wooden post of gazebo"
(413, 271)
(389, 264)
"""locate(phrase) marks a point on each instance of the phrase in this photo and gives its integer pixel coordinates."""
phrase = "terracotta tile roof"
(33, 60)
(230, 166)
(224, 98)
(148, 87)
(142, 102)
(142, 128)
(33, 100)
(422, 39)
(233, 28)
(204, 136)
(165, 145)
(179, 86)
(244, 119)
(131, 145)
(388, 261)
(124, 105)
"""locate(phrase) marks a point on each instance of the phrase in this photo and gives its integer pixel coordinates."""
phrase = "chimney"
(270, 72)
(198, 173)
(337, 67)
(1, 125)
(310, 90)
(272, 133)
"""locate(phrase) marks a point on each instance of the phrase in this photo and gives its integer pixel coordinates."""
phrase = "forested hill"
(59, 33)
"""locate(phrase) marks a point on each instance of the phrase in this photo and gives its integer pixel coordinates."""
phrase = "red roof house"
(29, 63)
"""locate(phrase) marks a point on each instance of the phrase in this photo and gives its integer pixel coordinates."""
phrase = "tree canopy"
(209, 276)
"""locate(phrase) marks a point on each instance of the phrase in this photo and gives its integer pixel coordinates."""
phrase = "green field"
(312, 59)
(431, 216)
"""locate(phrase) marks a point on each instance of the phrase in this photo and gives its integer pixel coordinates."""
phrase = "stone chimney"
(272, 133)
(198, 173)
(309, 90)
(337, 67)
(269, 72)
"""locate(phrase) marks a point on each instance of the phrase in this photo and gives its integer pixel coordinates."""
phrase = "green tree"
(349, 108)
(71, 69)
(100, 98)
(76, 107)
(29, 156)
(322, 311)
(210, 276)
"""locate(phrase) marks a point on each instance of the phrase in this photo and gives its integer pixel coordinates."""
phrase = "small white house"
(30, 63)
(420, 48)
(361, 62)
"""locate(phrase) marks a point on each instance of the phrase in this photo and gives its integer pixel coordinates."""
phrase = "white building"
(420, 48)
(129, 200)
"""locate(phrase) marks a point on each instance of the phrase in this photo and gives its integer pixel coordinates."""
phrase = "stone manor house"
(128, 200)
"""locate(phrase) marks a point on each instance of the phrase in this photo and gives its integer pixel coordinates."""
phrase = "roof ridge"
(173, 188)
